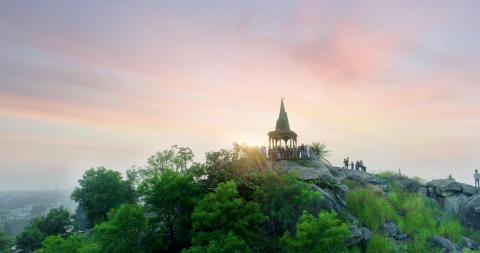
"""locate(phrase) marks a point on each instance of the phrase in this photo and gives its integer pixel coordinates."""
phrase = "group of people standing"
(357, 166)
(287, 153)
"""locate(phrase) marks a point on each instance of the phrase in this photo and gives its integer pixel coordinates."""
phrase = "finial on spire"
(282, 121)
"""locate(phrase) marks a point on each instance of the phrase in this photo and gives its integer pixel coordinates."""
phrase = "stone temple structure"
(282, 132)
(282, 142)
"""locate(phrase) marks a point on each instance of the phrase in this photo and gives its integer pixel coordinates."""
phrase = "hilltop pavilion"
(282, 132)
(282, 142)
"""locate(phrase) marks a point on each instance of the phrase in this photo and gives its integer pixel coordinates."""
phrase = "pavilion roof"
(282, 121)
(282, 128)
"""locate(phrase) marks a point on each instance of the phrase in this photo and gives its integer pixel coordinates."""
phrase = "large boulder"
(402, 238)
(337, 172)
(319, 174)
(363, 178)
(470, 212)
(451, 196)
(327, 181)
(445, 244)
(358, 236)
(469, 243)
(305, 173)
(445, 187)
(406, 183)
(454, 203)
(389, 229)
(331, 201)
(469, 190)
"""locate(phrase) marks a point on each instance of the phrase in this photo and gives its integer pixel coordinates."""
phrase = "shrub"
(224, 212)
(125, 230)
(379, 244)
(323, 234)
(414, 214)
(370, 207)
(72, 244)
(283, 198)
(451, 229)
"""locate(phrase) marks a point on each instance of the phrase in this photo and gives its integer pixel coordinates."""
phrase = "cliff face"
(458, 199)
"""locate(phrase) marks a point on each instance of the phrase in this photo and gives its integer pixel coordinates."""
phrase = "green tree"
(321, 151)
(171, 197)
(101, 190)
(224, 212)
(125, 231)
(283, 198)
(30, 239)
(241, 164)
(57, 244)
(370, 207)
(4, 241)
(229, 244)
(379, 244)
(58, 221)
(317, 235)
(176, 158)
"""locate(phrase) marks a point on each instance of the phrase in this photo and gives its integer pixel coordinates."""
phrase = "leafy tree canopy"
(101, 190)
(4, 241)
(71, 244)
(224, 212)
(30, 239)
(241, 164)
(324, 233)
(58, 221)
(171, 196)
(125, 231)
(283, 198)
(229, 244)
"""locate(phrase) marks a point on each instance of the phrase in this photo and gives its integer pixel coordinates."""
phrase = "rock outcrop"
(445, 244)
(358, 236)
(470, 244)
(389, 229)
(470, 212)
(459, 199)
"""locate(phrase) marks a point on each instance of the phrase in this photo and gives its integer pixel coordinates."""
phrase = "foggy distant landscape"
(17, 208)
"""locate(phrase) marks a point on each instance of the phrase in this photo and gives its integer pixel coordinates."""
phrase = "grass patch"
(414, 214)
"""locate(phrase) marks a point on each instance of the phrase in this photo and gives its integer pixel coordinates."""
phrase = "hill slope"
(340, 187)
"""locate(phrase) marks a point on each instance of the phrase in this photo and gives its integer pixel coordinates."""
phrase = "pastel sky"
(89, 83)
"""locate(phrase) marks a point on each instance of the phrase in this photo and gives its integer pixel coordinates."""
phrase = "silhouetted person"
(362, 167)
(477, 178)
(357, 165)
(351, 166)
(345, 162)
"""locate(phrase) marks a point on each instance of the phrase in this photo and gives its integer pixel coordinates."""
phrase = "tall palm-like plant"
(319, 149)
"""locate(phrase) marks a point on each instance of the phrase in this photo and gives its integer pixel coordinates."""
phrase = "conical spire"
(282, 121)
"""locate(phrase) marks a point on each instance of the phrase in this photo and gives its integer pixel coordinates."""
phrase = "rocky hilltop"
(333, 183)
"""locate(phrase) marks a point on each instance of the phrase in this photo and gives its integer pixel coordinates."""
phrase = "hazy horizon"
(88, 83)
